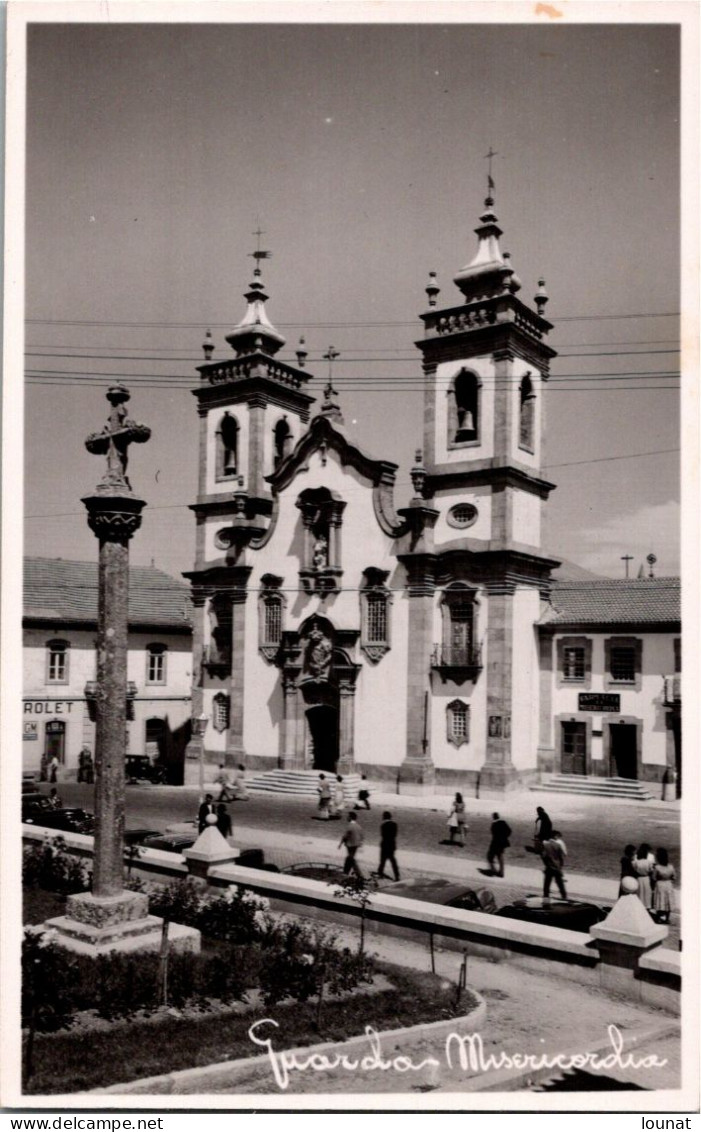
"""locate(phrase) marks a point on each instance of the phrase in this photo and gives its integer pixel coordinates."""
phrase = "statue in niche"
(320, 553)
(317, 660)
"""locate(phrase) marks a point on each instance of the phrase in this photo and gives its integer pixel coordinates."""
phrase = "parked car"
(255, 859)
(34, 804)
(137, 836)
(71, 819)
(575, 915)
(313, 870)
(445, 892)
(29, 783)
(169, 842)
(139, 768)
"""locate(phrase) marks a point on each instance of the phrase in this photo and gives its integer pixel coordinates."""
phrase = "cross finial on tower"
(626, 558)
(488, 156)
(331, 354)
(258, 255)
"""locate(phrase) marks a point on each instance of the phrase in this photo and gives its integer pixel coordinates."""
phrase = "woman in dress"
(456, 821)
(643, 864)
(627, 869)
(663, 896)
(338, 801)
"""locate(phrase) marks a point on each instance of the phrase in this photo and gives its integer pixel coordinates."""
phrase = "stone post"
(109, 918)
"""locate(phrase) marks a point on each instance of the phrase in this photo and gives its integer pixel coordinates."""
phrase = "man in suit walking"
(206, 808)
(388, 845)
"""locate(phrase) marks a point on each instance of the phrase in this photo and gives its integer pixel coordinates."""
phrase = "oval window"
(462, 515)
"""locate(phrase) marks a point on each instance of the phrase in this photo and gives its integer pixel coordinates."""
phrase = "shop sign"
(600, 701)
(30, 731)
(48, 707)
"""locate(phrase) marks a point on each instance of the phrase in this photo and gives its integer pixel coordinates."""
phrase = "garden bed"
(69, 1062)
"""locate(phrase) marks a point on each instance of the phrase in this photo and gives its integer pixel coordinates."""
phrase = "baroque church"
(335, 632)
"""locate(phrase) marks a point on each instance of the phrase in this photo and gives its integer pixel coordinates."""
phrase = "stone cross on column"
(114, 514)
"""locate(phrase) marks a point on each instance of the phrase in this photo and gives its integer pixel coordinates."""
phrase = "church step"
(600, 787)
(303, 783)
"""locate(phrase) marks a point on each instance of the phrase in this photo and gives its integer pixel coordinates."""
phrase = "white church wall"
(527, 510)
(480, 497)
(381, 697)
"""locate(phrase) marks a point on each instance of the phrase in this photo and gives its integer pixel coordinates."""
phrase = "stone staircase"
(303, 783)
(598, 787)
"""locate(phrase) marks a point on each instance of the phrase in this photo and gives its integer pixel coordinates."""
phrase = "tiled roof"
(618, 601)
(55, 589)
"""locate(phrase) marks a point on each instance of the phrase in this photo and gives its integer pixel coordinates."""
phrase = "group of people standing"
(655, 877)
(332, 801)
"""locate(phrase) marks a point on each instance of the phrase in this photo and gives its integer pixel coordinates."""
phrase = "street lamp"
(199, 726)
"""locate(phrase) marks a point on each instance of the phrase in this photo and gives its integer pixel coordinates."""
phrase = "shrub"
(300, 961)
(48, 983)
(180, 901)
(50, 866)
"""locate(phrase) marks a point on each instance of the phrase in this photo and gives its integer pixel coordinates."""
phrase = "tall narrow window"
(375, 601)
(526, 430)
(271, 607)
(227, 447)
(282, 435)
(217, 657)
(57, 662)
(220, 712)
(461, 631)
(624, 662)
(458, 655)
(463, 424)
(458, 723)
(155, 664)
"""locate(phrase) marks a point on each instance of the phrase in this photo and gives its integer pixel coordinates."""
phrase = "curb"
(193, 1082)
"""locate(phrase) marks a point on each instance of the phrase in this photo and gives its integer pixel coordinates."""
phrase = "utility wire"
(324, 325)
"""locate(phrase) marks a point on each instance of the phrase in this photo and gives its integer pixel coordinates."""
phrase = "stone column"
(290, 759)
(234, 746)
(417, 766)
(194, 749)
(346, 728)
(256, 446)
(108, 917)
(498, 772)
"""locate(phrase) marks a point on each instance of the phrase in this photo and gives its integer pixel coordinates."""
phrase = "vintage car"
(575, 915)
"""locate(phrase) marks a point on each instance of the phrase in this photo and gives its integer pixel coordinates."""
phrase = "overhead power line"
(322, 325)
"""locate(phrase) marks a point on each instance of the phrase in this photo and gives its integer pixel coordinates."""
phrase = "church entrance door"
(624, 750)
(323, 731)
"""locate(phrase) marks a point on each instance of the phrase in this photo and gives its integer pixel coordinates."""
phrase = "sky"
(153, 152)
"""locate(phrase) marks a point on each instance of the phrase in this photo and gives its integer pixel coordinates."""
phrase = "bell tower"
(486, 363)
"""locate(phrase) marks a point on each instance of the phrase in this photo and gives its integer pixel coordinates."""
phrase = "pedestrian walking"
(337, 800)
(663, 894)
(223, 780)
(456, 821)
(553, 855)
(54, 799)
(207, 807)
(324, 792)
(363, 802)
(644, 864)
(500, 833)
(352, 839)
(240, 791)
(223, 820)
(627, 869)
(543, 830)
(388, 845)
(53, 769)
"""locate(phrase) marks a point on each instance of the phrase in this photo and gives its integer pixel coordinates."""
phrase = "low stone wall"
(653, 976)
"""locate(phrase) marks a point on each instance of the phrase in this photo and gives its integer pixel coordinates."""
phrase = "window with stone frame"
(375, 602)
(217, 656)
(458, 723)
(458, 607)
(526, 421)
(156, 664)
(623, 659)
(57, 654)
(271, 614)
(227, 454)
(464, 409)
(221, 705)
(574, 660)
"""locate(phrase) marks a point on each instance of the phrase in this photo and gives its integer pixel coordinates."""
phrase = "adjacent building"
(60, 665)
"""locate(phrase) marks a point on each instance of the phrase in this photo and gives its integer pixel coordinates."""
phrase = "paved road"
(595, 830)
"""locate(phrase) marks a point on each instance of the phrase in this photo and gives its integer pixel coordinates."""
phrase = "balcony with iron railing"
(457, 663)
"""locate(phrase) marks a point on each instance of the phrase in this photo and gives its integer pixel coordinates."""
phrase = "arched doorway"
(322, 721)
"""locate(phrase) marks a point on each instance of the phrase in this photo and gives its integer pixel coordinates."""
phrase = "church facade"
(334, 631)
